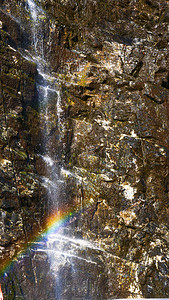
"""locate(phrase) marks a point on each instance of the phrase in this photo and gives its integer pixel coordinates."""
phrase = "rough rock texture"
(112, 60)
(19, 139)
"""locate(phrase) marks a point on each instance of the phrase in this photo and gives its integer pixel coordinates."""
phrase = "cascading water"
(50, 106)
(70, 268)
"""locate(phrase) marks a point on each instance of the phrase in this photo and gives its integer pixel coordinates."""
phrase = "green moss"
(23, 173)
(20, 153)
(10, 92)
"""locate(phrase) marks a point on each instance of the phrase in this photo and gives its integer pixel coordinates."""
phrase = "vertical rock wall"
(111, 59)
(19, 137)
(117, 92)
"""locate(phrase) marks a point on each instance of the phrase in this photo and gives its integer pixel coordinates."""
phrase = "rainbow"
(54, 223)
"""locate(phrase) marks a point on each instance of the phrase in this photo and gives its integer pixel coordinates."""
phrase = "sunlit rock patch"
(110, 60)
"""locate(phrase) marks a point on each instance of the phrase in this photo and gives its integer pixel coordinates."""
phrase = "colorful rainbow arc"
(53, 224)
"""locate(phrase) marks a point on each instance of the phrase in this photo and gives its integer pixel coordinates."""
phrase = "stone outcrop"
(19, 139)
(111, 60)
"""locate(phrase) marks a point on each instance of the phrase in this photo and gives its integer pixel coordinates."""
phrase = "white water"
(49, 104)
(37, 13)
(61, 249)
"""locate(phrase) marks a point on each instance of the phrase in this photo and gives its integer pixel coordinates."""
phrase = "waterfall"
(69, 265)
(50, 106)
(67, 255)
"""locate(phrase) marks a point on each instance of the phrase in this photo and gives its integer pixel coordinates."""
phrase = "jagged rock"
(111, 61)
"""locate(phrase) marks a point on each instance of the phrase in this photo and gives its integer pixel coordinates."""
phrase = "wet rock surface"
(19, 139)
(111, 61)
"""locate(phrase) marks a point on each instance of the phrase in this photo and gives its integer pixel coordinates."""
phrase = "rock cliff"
(111, 60)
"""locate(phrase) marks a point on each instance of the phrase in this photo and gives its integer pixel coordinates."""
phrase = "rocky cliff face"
(19, 136)
(111, 61)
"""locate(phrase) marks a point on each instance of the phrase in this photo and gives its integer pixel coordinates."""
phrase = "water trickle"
(64, 256)
(37, 15)
(48, 160)
(50, 110)
(63, 251)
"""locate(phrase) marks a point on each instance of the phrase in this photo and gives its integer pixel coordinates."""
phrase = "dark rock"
(110, 59)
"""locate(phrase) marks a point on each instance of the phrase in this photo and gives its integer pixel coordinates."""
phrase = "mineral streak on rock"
(111, 59)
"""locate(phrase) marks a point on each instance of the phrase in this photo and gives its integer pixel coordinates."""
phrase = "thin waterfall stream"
(61, 249)
(65, 264)
(49, 104)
